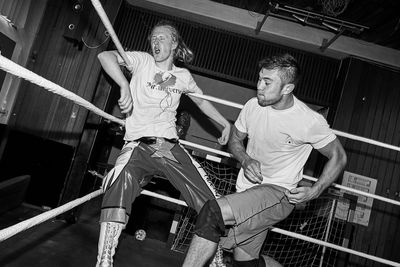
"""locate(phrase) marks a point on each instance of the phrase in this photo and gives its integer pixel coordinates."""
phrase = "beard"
(262, 102)
(267, 102)
(269, 99)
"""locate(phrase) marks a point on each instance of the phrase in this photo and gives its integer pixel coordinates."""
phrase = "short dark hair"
(289, 70)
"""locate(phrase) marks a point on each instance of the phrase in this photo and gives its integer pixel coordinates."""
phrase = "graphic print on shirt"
(287, 139)
(166, 82)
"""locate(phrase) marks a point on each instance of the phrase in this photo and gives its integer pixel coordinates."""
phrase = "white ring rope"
(356, 191)
(19, 71)
(107, 24)
(218, 100)
(24, 225)
(366, 140)
(205, 148)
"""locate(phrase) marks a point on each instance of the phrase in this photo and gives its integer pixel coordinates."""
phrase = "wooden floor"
(56, 243)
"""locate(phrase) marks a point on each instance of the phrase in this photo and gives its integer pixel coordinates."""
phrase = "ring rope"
(19, 71)
(356, 191)
(205, 148)
(24, 225)
(218, 100)
(107, 24)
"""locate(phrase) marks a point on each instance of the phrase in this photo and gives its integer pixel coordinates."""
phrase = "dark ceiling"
(381, 16)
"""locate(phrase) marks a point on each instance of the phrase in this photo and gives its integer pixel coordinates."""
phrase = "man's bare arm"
(251, 167)
(337, 160)
(334, 151)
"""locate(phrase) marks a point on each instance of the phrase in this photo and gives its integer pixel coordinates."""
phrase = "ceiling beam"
(274, 30)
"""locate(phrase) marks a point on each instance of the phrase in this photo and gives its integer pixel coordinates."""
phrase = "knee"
(210, 224)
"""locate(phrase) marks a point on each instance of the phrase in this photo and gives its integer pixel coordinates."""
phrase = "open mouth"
(156, 50)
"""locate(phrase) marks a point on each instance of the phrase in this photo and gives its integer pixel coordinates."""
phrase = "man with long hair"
(150, 101)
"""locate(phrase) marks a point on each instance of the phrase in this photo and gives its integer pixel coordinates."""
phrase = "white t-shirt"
(281, 140)
(156, 95)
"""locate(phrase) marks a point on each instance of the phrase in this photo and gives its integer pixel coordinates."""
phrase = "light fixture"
(302, 20)
(7, 20)
(312, 19)
(330, 27)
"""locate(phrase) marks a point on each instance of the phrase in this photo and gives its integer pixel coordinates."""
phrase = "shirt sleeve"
(137, 59)
(241, 121)
(320, 134)
(192, 86)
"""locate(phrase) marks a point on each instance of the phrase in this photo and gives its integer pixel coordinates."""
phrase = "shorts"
(255, 210)
(136, 165)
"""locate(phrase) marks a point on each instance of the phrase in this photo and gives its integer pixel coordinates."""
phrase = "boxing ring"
(19, 71)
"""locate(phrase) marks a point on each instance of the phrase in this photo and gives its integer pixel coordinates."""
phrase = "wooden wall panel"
(369, 107)
(16, 11)
(72, 65)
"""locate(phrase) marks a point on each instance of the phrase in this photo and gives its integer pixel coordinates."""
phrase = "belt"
(150, 140)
